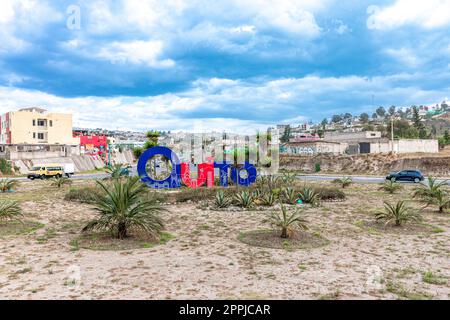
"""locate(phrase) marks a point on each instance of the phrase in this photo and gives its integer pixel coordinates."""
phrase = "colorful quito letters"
(242, 174)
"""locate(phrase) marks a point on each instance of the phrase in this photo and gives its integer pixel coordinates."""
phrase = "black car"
(406, 175)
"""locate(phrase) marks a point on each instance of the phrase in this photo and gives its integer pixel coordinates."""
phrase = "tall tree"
(336, 118)
(416, 118)
(286, 135)
(381, 112)
(391, 110)
(364, 117)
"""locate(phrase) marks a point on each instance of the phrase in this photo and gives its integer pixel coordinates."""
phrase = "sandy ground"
(205, 260)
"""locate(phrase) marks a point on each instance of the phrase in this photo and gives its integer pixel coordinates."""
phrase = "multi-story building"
(34, 126)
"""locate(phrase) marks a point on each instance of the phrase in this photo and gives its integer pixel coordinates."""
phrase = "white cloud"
(135, 52)
(6, 11)
(427, 14)
(26, 16)
(235, 104)
(405, 56)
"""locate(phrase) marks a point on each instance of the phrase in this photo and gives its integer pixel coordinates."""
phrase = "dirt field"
(206, 260)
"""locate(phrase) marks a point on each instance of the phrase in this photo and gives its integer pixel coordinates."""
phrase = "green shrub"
(328, 194)
(83, 195)
(317, 167)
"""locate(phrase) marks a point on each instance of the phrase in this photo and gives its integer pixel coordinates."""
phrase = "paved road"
(358, 179)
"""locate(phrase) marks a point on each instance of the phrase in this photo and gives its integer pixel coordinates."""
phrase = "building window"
(51, 123)
(41, 123)
(34, 123)
(34, 135)
(40, 136)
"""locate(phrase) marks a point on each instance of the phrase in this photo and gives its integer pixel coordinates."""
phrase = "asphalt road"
(357, 179)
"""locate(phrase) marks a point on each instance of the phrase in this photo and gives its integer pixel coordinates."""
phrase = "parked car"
(406, 175)
(51, 171)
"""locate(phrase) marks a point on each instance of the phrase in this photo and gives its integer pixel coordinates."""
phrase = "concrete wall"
(81, 162)
(351, 136)
(406, 146)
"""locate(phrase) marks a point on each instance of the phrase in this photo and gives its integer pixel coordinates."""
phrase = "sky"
(225, 65)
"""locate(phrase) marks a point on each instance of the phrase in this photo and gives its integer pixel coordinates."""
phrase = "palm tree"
(427, 192)
(9, 210)
(442, 200)
(286, 220)
(345, 181)
(391, 186)
(61, 181)
(8, 185)
(398, 213)
(122, 208)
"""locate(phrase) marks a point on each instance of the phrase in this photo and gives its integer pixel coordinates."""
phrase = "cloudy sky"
(184, 64)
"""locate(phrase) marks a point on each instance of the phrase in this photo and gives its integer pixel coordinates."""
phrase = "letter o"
(173, 181)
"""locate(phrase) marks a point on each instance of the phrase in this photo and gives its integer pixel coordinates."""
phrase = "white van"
(69, 169)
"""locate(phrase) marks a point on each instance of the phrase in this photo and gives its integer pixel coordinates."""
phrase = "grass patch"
(403, 293)
(14, 228)
(104, 242)
(86, 194)
(272, 239)
(433, 278)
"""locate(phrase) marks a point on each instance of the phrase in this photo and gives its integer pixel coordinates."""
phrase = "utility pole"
(392, 134)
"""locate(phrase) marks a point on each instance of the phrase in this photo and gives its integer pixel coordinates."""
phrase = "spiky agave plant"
(221, 200)
(268, 199)
(344, 181)
(289, 195)
(257, 194)
(391, 186)
(59, 182)
(117, 171)
(244, 199)
(309, 195)
(398, 213)
(427, 192)
(8, 185)
(268, 182)
(10, 210)
(288, 177)
(122, 207)
(286, 220)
